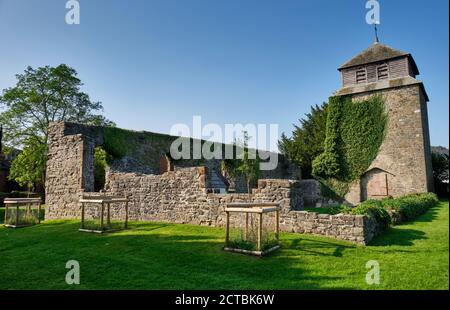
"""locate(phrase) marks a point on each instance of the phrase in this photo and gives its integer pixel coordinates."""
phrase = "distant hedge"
(409, 207)
(389, 210)
(370, 208)
(375, 209)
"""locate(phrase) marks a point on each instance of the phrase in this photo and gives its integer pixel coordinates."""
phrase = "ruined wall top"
(140, 151)
(57, 130)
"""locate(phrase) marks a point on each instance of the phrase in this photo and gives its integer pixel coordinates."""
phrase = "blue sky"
(154, 63)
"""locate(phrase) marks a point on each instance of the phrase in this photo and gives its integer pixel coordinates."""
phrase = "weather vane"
(373, 16)
(377, 40)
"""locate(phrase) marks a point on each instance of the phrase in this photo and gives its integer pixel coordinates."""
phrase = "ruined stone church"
(197, 191)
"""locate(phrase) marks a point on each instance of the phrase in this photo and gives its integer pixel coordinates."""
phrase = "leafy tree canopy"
(40, 96)
(337, 141)
(440, 164)
(307, 141)
(27, 168)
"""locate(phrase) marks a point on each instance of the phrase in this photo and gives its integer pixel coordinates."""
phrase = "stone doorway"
(375, 184)
(165, 164)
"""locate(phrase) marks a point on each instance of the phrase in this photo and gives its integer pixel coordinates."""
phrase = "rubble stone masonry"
(177, 196)
(403, 163)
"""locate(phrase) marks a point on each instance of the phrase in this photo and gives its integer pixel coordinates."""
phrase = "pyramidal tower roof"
(375, 53)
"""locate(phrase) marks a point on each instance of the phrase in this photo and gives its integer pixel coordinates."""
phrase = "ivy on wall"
(362, 132)
(355, 132)
(119, 142)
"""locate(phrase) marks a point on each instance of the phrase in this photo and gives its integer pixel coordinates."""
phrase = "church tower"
(403, 164)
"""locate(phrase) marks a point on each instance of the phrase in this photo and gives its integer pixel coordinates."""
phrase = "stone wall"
(71, 154)
(67, 176)
(178, 196)
(404, 158)
(312, 194)
(146, 150)
(354, 228)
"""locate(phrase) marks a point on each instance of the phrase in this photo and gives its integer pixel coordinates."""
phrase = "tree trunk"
(249, 191)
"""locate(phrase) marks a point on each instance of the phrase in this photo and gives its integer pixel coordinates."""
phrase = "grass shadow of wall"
(156, 256)
(398, 236)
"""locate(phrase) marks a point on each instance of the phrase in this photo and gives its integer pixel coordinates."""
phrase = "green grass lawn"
(169, 256)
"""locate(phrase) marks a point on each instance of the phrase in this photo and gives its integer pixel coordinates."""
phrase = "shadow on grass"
(429, 216)
(165, 256)
(398, 236)
(322, 248)
(198, 261)
(137, 226)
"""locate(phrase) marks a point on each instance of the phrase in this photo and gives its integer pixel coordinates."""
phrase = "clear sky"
(153, 63)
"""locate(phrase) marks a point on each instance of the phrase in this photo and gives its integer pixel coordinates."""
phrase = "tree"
(307, 141)
(440, 166)
(440, 162)
(327, 163)
(28, 168)
(245, 165)
(40, 96)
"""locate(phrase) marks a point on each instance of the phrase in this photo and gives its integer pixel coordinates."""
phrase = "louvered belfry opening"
(361, 76)
(383, 72)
